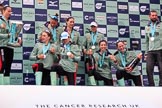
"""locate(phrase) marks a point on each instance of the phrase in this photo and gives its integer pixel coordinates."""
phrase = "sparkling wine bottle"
(133, 63)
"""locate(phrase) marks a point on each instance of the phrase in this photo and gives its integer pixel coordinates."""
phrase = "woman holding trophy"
(6, 51)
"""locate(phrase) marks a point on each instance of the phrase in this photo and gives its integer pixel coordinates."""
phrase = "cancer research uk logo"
(28, 79)
(144, 9)
(29, 27)
(123, 31)
(100, 6)
(88, 17)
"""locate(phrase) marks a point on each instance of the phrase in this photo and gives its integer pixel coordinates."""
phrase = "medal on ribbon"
(123, 59)
(94, 38)
(101, 59)
(54, 34)
(45, 49)
(153, 29)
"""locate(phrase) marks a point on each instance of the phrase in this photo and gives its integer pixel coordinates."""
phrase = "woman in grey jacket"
(44, 55)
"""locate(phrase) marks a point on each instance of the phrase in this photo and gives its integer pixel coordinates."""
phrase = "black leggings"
(61, 72)
(46, 79)
(122, 74)
(108, 82)
(7, 59)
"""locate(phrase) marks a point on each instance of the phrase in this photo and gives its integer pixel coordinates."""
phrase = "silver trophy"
(15, 30)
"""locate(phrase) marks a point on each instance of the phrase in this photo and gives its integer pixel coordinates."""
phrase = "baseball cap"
(64, 35)
(94, 24)
(54, 17)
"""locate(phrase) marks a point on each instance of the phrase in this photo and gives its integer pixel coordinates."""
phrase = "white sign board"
(79, 97)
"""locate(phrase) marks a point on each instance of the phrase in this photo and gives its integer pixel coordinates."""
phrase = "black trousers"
(123, 74)
(7, 59)
(61, 72)
(153, 58)
(46, 79)
(107, 82)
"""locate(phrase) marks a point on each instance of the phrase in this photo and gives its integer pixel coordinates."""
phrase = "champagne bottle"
(91, 62)
(134, 62)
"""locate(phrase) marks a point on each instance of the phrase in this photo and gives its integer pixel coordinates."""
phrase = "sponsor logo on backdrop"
(135, 44)
(29, 78)
(29, 27)
(144, 9)
(144, 20)
(80, 79)
(64, 15)
(134, 8)
(123, 19)
(99, 17)
(89, 17)
(112, 31)
(112, 19)
(100, 6)
(16, 78)
(28, 2)
(16, 66)
(123, 31)
(65, 4)
(77, 5)
(40, 2)
(145, 80)
(112, 7)
(112, 43)
(122, 7)
(134, 20)
(16, 14)
(53, 4)
(102, 29)
(88, 5)
(26, 52)
(134, 32)
(79, 27)
(15, 2)
(28, 14)
(28, 39)
(40, 14)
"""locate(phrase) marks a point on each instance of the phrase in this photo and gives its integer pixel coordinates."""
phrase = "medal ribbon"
(46, 48)
(94, 37)
(67, 47)
(153, 29)
(54, 34)
(72, 34)
(101, 59)
(123, 58)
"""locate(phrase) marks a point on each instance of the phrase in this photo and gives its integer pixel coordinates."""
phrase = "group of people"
(58, 52)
